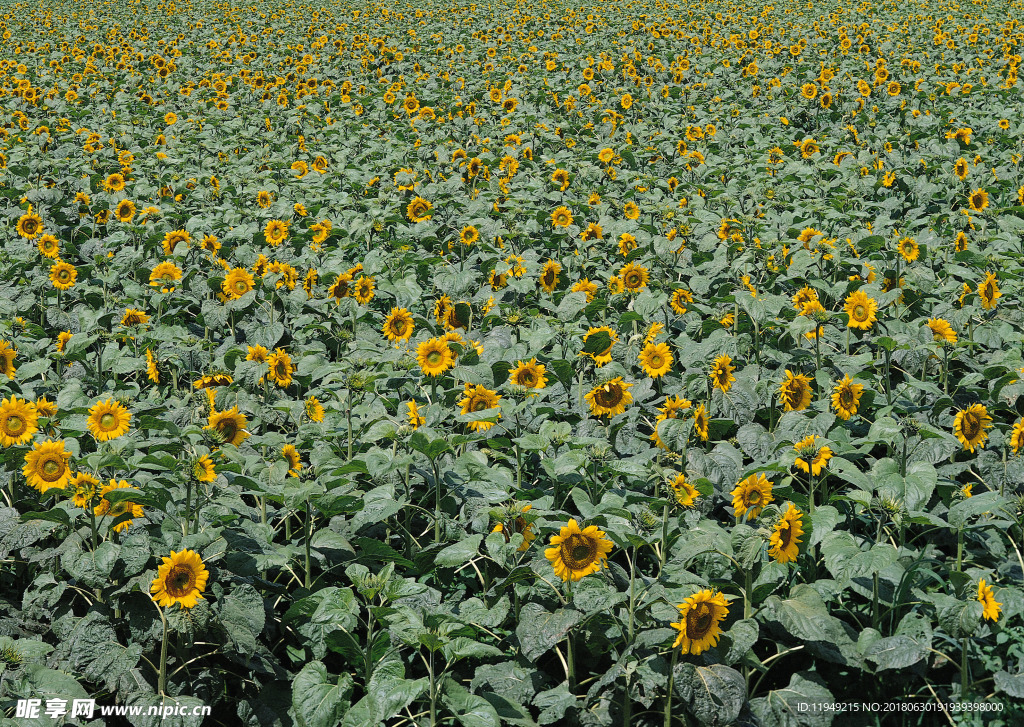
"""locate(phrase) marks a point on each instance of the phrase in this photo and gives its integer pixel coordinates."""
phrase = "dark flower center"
(698, 621)
(180, 581)
(579, 551)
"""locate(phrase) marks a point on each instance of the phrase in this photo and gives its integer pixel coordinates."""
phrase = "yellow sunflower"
(576, 553)
(479, 398)
(909, 249)
(561, 217)
(314, 410)
(238, 282)
(681, 298)
(549, 276)
(751, 495)
(434, 356)
(416, 420)
(685, 493)
(941, 330)
(990, 607)
(45, 407)
(134, 317)
(116, 509)
(281, 367)
(784, 542)
(610, 398)
(108, 420)
(721, 373)
(988, 292)
(63, 275)
(7, 355)
(634, 277)
(124, 211)
(46, 466)
(341, 287)
(604, 356)
(1017, 436)
(49, 246)
(85, 489)
(528, 374)
(516, 523)
(631, 211)
(275, 232)
(795, 391)
(202, 469)
(419, 210)
(398, 326)
(62, 340)
(363, 289)
(846, 397)
(264, 199)
(960, 169)
(656, 359)
(230, 425)
(699, 619)
(861, 310)
(181, 579)
(291, 454)
(18, 422)
(671, 410)
(702, 422)
(30, 225)
(165, 274)
(978, 200)
(812, 458)
(970, 426)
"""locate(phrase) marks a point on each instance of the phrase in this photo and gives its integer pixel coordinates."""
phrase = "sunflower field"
(512, 363)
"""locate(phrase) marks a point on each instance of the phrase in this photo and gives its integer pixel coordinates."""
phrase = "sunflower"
(124, 211)
(561, 217)
(172, 238)
(469, 235)
(586, 287)
(45, 407)
(681, 298)
(419, 210)
(699, 619)
(7, 355)
(281, 367)
(342, 287)
(978, 200)
(990, 607)
(17, 422)
(701, 422)
(84, 489)
(627, 243)
(264, 199)
(291, 454)
(212, 380)
(314, 410)
(164, 275)
(970, 426)
(117, 509)
(49, 246)
(46, 466)
(576, 553)
(134, 317)
(784, 542)
(62, 340)
(671, 410)
(434, 356)
(561, 178)
(549, 276)
(30, 225)
(415, 419)
(63, 275)
(363, 289)
(988, 292)
(685, 493)
(479, 398)
(751, 495)
(961, 241)
(961, 168)
(181, 579)
(202, 469)
(516, 523)
(909, 249)
(604, 356)
(656, 359)
(594, 231)
(229, 425)
(812, 458)
(528, 374)
(108, 420)
(398, 326)
(795, 391)
(942, 331)
(610, 398)
(861, 310)
(275, 232)
(606, 155)
(114, 182)
(846, 397)
(721, 373)
(238, 282)
(1017, 436)
(257, 353)
(634, 277)
(631, 211)
(809, 91)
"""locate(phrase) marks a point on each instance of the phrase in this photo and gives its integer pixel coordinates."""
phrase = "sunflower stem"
(161, 684)
(847, 340)
(945, 370)
(963, 667)
(667, 721)
(959, 550)
(875, 613)
(663, 553)
(437, 502)
(188, 507)
(306, 529)
(748, 599)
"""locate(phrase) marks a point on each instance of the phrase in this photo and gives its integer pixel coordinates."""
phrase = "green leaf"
(597, 342)
(539, 629)
(469, 709)
(714, 694)
(460, 553)
(370, 549)
(896, 652)
(783, 707)
(986, 502)
(554, 703)
(823, 522)
(317, 701)
(242, 616)
(94, 651)
(1010, 684)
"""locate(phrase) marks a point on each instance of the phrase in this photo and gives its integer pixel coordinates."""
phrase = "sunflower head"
(990, 607)
(180, 579)
(784, 541)
(610, 398)
(751, 495)
(18, 422)
(575, 553)
(795, 391)
(699, 619)
(971, 426)
(108, 420)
